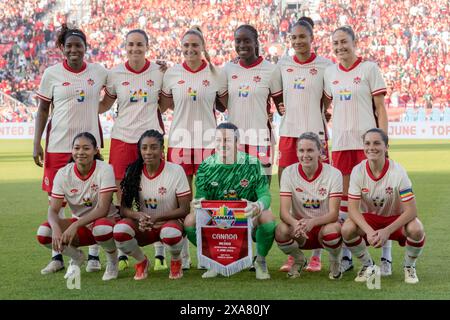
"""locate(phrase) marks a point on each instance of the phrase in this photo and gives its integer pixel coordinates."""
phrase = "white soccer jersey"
(380, 196)
(310, 198)
(194, 94)
(249, 89)
(352, 91)
(302, 94)
(137, 96)
(75, 97)
(159, 193)
(82, 194)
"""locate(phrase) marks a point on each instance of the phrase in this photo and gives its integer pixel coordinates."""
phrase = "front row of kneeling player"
(156, 200)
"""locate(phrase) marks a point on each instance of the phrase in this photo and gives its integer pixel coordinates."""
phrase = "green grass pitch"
(23, 207)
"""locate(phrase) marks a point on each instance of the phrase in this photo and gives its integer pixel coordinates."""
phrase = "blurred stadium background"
(408, 39)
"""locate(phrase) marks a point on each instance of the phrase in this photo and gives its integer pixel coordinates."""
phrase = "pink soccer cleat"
(176, 271)
(314, 265)
(286, 267)
(141, 270)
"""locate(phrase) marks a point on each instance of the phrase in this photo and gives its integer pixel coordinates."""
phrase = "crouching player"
(382, 206)
(87, 183)
(155, 199)
(232, 175)
(310, 195)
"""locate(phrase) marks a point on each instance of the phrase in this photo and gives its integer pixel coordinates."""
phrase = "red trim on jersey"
(286, 194)
(383, 172)
(354, 197)
(109, 94)
(68, 68)
(379, 91)
(353, 66)
(202, 66)
(168, 95)
(183, 194)
(276, 94)
(336, 195)
(91, 171)
(42, 97)
(223, 94)
(158, 172)
(326, 95)
(311, 59)
(113, 189)
(254, 64)
(407, 200)
(57, 196)
(144, 68)
(316, 174)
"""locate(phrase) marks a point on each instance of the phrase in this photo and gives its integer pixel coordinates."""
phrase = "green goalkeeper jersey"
(244, 179)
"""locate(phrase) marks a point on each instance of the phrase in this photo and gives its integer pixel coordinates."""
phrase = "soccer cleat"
(297, 267)
(335, 270)
(411, 275)
(346, 264)
(93, 264)
(176, 270)
(286, 267)
(160, 263)
(262, 273)
(186, 263)
(75, 264)
(209, 274)
(111, 271)
(53, 266)
(385, 267)
(123, 263)
(252, 267)
(141, 270)
(314, 264)
(364, 273)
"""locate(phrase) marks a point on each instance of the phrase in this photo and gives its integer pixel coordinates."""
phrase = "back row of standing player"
(302, 88)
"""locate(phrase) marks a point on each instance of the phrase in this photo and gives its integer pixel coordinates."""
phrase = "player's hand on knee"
(253, 209)
(57, 241)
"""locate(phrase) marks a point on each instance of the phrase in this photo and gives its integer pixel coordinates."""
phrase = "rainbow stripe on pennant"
(241, 219)
(406, 194)
(226, 217)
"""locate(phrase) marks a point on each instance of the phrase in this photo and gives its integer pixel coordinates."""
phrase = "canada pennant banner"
(224, 242)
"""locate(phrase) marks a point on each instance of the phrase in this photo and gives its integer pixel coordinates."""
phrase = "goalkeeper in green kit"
(232, 175)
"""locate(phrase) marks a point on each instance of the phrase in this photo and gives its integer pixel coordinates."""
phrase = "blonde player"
(87, 184)
(382, 206)
(73, 89)
(250, 82)
(302, 76)
(135, 85)
(310, 194)
(357, 89)
(155, 199)
(190, 89)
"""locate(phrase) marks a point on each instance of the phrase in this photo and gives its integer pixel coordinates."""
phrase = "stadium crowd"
(408, 39)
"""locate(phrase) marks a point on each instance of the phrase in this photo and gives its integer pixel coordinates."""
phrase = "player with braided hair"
(155, 199)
